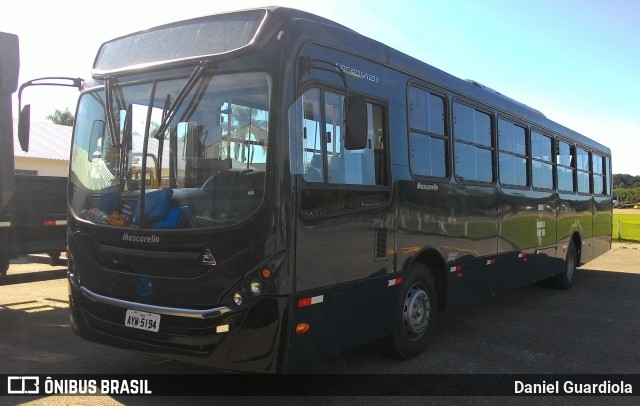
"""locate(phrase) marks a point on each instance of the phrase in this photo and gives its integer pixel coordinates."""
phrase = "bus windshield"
(205, 170)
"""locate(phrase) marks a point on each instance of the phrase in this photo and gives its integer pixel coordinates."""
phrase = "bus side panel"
(340, 318)
(602, 216)
(494, 280)
(574, 216)
(602, 233)
(311, 308)
(360, 315)
(527, 220)
(519, 269)
(527, 230)
(594, 247)
(460, 222)
(471, 280)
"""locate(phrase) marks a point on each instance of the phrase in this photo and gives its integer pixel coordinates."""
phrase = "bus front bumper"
(245, 339)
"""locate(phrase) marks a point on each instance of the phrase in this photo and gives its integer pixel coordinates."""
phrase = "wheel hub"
(416, 312)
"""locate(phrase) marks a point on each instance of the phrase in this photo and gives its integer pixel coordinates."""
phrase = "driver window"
(324, 156)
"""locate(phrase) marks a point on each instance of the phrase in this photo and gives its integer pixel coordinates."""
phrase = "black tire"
(54, 259)
(78, 325)
(564, 280)
(414, 313)
(4, 264)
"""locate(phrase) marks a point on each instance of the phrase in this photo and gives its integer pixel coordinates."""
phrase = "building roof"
(46, 141)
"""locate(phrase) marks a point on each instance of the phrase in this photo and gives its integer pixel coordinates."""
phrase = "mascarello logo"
(140, 238)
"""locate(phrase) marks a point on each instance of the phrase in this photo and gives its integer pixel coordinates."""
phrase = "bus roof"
(184, 41)
(235, 32)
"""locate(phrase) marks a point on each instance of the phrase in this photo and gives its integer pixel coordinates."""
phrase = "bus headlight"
(237, 298)
(256, 287)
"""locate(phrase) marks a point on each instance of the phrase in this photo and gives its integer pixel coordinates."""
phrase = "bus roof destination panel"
(202, 37)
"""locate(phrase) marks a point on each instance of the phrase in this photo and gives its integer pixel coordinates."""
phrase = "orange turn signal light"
(302, 328)
(266, 273)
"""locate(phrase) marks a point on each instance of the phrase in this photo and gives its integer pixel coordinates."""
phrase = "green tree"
(625, 180)
(62, 117)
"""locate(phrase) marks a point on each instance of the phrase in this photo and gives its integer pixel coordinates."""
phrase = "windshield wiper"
(126, 146)
(110, 84)
(169, 113)
(165, 111)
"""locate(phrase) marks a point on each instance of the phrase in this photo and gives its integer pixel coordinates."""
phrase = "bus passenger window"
(513, 153)
(473, 146)
(598, 175)
(542, 161)
(427, 137)
(565, 160)
(582, 165)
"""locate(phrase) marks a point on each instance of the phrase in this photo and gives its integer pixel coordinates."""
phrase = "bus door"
(343, 235)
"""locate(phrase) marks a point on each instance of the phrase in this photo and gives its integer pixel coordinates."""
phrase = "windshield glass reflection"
(206, 169)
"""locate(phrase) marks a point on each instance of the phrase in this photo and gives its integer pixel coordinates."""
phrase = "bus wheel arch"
(437, 266)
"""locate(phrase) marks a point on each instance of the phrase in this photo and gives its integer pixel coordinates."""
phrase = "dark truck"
(34, 219)
(33, 209)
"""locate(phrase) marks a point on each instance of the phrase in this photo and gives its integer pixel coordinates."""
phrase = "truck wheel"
(564, 280)
(414, 313)
(54, 258)
(4, 264)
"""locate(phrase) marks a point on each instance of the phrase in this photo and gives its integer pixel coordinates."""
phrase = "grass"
(629, 227)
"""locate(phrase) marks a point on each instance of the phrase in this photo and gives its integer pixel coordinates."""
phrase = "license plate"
(142, 320)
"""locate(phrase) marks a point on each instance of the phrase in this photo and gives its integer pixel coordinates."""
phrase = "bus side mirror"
(25, 112)
(24, 126)
(356, 123)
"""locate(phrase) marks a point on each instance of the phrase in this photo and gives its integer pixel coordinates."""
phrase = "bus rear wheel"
(564, 280)
(414, 313)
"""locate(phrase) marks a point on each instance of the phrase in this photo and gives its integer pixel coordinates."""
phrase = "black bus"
(261, 189)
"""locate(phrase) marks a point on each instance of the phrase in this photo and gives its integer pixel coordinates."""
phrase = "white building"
(49, 150)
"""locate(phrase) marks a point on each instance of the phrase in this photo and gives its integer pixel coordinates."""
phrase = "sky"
(577, 61)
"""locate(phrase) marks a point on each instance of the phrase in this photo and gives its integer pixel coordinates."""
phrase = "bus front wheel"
(414, 313)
